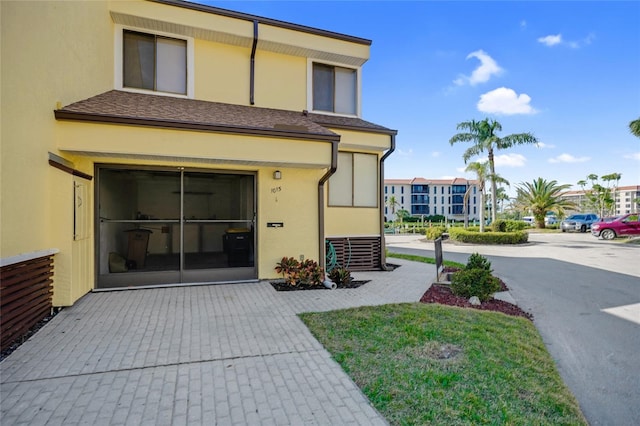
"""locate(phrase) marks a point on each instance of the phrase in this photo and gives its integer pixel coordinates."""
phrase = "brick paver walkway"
(217, 354)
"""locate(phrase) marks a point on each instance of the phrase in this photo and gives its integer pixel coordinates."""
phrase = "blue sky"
(568, 72)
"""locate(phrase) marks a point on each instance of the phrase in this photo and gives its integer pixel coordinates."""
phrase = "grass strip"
(433, 364)
(423, 259)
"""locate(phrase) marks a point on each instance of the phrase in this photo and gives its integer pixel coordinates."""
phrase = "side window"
(335, 89)
(153, 62)
(355, 182)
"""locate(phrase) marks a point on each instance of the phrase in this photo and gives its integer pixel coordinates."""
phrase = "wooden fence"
(357, 253)
(25, 296)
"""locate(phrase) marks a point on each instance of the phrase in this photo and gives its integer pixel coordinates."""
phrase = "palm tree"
(634, 126)
(502, 196)
(481, 169)
(392, 203)
(541, 196)
(483, 135)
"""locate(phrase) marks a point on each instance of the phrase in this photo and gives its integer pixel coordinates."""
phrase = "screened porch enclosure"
(160, 226)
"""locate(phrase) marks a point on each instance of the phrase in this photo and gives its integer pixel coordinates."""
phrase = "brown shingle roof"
(164, 111)
(354, 123)
(123, 107)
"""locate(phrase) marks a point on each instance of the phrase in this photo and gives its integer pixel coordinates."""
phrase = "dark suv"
(579, 222)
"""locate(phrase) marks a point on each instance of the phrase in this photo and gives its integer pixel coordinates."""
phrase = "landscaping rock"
(474, 301)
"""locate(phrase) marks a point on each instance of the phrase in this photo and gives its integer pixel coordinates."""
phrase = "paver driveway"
(217, 354)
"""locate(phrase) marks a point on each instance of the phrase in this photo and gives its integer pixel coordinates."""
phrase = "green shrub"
(500, 225)
(477, 261)
(474, 282)
(434, 232)
(464, 236)
(516, 225)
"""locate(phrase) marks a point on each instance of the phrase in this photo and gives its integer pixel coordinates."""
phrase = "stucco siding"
(49, 55)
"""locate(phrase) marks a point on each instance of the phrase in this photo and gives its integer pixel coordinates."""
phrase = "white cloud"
(510, 160)
(487, 68)
(543, 145)
(402, 153)
(505, 101)
(633, 156)
(568, 158)
(506, 160)
(461, 169)
(523, 24)
(436, 154)
(551, 40)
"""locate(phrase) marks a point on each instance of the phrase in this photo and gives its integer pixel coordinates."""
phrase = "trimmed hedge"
(466, 236)
(434, 232)
(515, 225)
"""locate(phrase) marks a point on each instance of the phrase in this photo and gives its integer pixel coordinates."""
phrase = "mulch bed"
(282, 286)
(443, 295)
(19, 341)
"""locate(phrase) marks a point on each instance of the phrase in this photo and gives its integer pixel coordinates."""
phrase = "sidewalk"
(218, 354)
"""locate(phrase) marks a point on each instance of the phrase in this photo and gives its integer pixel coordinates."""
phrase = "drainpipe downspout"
(383, 254)
(252, 76)
(322, 261)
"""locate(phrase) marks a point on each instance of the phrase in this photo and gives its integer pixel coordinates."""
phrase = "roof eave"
(389, 132)
(181, 125)
(262, 20)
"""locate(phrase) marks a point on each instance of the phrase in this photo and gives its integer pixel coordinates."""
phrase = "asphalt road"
(584, 294)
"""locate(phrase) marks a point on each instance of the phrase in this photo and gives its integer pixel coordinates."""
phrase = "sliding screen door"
(174, 226)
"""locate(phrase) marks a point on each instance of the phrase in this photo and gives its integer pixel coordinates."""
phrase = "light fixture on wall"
(277, 175)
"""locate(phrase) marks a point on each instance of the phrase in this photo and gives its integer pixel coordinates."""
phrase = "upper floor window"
(153, 61)
(335, 89)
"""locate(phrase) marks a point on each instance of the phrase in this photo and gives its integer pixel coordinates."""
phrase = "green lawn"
(432, 364)
(423, 259)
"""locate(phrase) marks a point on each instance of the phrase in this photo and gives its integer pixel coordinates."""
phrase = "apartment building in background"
(429, 197)
(626, 199)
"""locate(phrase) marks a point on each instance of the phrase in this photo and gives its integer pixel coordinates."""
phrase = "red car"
(627, 224)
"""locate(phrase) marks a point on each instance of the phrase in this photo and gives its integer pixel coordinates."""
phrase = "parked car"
(550, 220)
(579, 222)
(627, 224)
(529, 220)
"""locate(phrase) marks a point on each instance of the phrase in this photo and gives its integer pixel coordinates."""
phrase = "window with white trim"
(154, 62)
(335, 89)
(355, 182)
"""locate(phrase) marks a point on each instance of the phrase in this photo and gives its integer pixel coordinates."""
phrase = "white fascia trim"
(118, 66)
(310, 62)
(25, 257)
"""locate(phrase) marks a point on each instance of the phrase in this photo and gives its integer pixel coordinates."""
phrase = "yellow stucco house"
(166, 142)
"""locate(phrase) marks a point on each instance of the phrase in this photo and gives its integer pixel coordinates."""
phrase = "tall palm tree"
(481, 169)
(541, 196)
(392, 203)
(484, 138)
(634, 126)
(502, 196)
